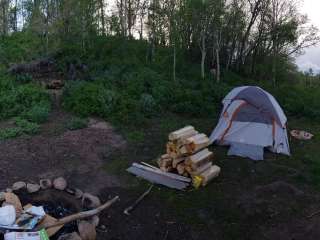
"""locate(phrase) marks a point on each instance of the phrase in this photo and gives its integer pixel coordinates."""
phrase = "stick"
(81, 215)
(313, 214)
(130, 208)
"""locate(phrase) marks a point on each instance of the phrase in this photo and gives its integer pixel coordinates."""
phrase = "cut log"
(197, 160)
(166, 169)
(197, 142)
(210, 174)
(199, 170)
(181, 132)
(176, 161)
(167, 162)
(182, 140)
(181, 168)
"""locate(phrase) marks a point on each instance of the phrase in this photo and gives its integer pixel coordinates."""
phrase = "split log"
(176, 161)
(199, 170)
(197, 142)
(197, 160)
(181, 168)
(181, 132)
(80, 215)
(166, 169)
(210, 174)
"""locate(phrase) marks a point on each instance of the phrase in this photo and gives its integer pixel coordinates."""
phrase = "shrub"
(37, 113)
(9, 133)
(148, 105)
(86, 98)
(26, 127)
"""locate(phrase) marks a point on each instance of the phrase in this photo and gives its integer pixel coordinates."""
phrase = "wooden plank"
(210, 174)
(157, 170)
(183, 131)
(157, 178)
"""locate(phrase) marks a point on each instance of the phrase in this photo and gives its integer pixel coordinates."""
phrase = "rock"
(18, 186)
(45, 184)
(70, 191)
(60, 184)
(32, 188)
(95, 220)
(78, 193)
(90, 201)
(87, 231)
(70, 236)
(9, 190)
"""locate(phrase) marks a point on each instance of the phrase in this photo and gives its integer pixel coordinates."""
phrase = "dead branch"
(130, 208)
(81, 215)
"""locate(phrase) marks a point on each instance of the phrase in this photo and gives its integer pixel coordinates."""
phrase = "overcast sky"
(311, 58)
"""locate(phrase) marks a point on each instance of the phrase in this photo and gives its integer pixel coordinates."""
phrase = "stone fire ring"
(58, 189)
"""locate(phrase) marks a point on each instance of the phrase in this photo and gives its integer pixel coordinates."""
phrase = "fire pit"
(63, 207)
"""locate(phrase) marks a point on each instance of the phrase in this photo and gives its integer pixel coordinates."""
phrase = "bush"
(9, 133)
(148, 106)
(26, 127)
(86, 98)
(37, 113)
(16, 99)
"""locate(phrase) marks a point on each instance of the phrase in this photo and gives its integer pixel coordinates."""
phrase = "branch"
(80, 215)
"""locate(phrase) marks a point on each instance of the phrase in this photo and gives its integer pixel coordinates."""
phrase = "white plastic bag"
(7, 215)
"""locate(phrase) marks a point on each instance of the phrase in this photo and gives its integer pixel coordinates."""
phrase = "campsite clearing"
(250, 200)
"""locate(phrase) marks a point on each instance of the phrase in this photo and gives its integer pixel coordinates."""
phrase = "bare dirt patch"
(75, 155)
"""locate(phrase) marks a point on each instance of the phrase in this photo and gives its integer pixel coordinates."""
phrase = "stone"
(78, 193)
(71, 191)
(33, 188)
(60, 184)
(87, 231)
(90, 201)
(70, 236)
(95, 221)
(18, 186)
(45, 184)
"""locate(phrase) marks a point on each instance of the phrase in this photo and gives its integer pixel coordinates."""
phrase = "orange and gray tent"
(251, 120)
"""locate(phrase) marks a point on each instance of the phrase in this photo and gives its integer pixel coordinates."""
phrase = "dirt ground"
(249, 200)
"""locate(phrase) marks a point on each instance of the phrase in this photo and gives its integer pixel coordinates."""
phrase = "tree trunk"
(174, 62)
(218, 65)
(203, 54)
(102, 17)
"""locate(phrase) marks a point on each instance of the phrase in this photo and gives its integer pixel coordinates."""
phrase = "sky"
(311, 58)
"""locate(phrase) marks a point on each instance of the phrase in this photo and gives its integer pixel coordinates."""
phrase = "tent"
(251, 120)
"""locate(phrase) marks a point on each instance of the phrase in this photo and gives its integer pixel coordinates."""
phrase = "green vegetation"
(77, 123)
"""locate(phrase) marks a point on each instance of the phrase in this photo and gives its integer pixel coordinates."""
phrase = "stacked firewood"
(188, 155)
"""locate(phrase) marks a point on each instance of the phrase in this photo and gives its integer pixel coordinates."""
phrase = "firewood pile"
(188, 155)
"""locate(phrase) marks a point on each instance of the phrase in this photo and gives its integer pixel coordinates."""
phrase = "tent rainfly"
(251, 120)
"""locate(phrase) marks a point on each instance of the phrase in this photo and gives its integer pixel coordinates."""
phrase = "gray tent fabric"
(250, 121)
(246, 150)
